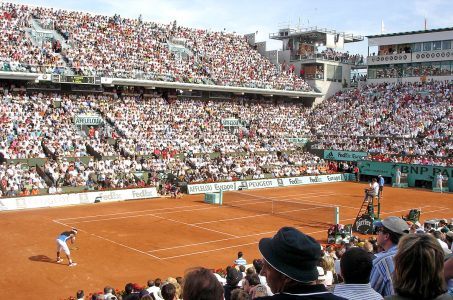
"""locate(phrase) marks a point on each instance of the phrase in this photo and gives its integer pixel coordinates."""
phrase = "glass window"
(426, 69)
(372, 73)
(427, 46)
(416, 69)
(417, 47)
(436, 69)
(446, 45)
(437, 45)
(445, 68)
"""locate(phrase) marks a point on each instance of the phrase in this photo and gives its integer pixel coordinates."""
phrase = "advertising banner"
(76, 198)
(263, 183)
(344, 155)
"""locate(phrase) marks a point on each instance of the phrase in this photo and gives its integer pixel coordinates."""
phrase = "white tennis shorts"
(62, 246)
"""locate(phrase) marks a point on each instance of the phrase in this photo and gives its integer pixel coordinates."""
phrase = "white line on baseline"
(120, 244)
(111, 241)
(223, 248)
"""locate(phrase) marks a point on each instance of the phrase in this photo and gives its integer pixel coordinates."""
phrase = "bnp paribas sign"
(344, 155)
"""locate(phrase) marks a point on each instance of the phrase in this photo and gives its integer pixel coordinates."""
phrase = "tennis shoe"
(73, 264)
(59, 260)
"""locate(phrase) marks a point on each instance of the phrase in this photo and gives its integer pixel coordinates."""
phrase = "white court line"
(286, 198)
(221, 240)
(111, 241)
(231, 219)
(128, 212)
(223, 248)
(193, 225)
(198, 207)
(212, 241)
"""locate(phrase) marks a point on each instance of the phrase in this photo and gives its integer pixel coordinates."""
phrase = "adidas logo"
(330, 155)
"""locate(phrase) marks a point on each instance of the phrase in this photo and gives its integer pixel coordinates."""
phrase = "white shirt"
(375, 187)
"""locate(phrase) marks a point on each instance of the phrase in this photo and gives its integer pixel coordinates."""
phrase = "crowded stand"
(254, 166)
(331, 54)
(20, 180)
(131, 48)
(384, 110)
(17, 52)
(156, 135)
(411, 119)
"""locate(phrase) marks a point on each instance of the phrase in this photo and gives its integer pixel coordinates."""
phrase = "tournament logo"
(330, 156)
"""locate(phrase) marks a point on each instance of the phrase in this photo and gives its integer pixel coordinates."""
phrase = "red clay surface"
(138, 240)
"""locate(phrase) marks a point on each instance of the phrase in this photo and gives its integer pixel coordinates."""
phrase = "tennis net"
(299, 209)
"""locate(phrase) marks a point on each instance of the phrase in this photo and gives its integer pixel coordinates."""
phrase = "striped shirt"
(356, 292)
(381, 274)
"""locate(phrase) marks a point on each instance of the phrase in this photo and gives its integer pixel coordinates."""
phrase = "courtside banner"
(344, 155)
(79, 198)
(263, 183)
(313, 179)
(231, 186)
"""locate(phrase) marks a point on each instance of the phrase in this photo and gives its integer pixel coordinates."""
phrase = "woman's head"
(250, 281)
(201, 284)
(419, 267)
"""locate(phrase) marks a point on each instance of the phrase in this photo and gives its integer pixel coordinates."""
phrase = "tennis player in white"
(62, 241)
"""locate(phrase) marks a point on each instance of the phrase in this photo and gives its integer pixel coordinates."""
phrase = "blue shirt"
(356, 292)
(240, 261)
(381, 274)
(381, 181)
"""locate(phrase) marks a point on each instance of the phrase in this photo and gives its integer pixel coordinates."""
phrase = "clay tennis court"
(134, 241)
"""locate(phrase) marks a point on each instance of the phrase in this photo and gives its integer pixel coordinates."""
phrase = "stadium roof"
(410, 32)
(315, 33)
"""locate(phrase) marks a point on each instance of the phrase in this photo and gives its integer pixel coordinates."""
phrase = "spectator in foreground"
(80, 295)
(290, 265)
(232, 281)
(130, 293)
(419, 269)
(168, 291)
(201, 284)
(356, 265)
(389, 232)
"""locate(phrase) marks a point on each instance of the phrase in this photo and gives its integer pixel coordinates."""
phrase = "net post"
(221, 197)
(337, 215)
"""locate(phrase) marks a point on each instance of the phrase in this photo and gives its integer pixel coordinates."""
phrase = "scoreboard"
(76, 79)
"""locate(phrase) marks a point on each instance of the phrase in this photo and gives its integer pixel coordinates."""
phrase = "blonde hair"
(177, 286)
(327, 263)
(419, 267)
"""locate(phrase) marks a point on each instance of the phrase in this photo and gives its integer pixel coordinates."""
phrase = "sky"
(267, 16)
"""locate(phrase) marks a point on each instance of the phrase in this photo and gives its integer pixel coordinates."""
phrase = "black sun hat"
(292, 253)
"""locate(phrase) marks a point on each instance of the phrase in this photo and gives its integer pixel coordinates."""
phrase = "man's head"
(168, 291)
(258, 265)
(390, 230)
(356, 265)
(240, 254)
(289, 256)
